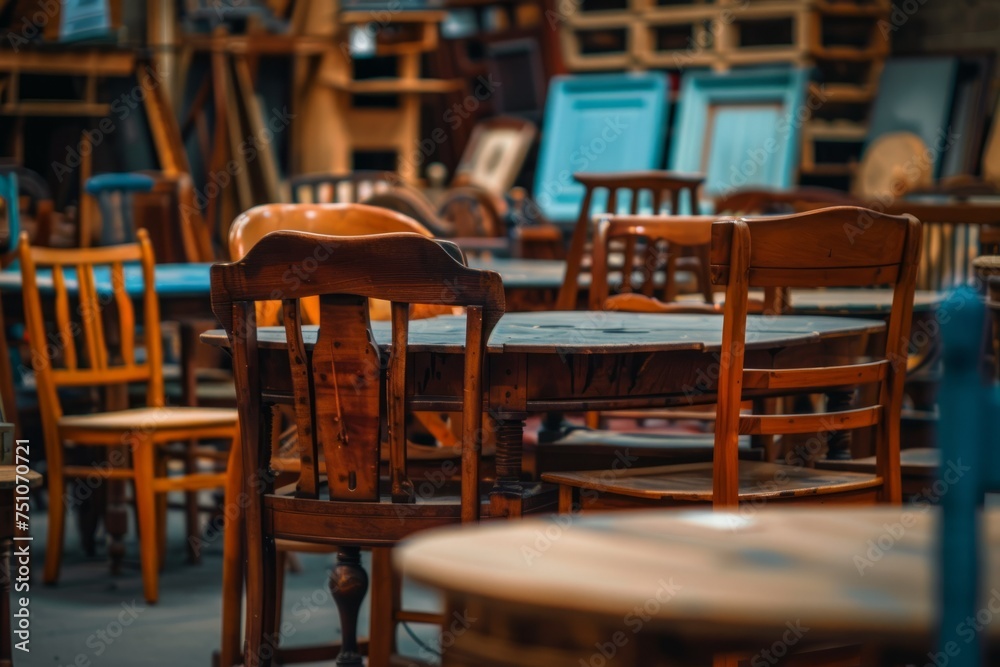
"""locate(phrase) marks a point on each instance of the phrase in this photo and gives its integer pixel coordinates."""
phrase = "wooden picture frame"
(495, 154)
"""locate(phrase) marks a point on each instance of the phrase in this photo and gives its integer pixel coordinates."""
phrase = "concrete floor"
(92, 619)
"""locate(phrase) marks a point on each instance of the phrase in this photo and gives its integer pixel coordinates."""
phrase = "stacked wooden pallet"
(846, 41)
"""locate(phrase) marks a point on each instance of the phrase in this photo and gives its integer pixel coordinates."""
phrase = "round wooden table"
(571, 361)
(660, 587)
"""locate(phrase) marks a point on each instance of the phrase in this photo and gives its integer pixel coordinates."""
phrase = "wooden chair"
(346, 398)
(85, 347)
(661, 185)
(594, 449)
(465, 212)
(798, 250)
(661, 235)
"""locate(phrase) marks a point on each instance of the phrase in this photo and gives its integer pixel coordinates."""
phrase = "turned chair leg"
(349, 584)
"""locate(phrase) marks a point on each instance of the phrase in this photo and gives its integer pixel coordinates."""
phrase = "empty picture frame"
(495, 154)
(741, 129)
(597, 123)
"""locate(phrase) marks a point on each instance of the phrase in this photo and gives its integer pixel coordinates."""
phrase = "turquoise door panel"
(597, 123)
(741, 129)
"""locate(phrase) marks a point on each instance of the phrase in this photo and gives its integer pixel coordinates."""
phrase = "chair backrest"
(329, 219)
(342, 398)
(762, 201)
(661, 188)
(86, 346)
(597, 123)
(661, 234)
(835, 247)
(970, 466)
(113, 193)
(340, 188)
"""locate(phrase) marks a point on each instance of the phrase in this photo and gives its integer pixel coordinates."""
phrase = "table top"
(172, 280)
(866, 571)
(9, 477)
(847, 301)
(590, 332)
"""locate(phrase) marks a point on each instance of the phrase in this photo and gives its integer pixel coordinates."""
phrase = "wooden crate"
(593, 43)
(679, 37)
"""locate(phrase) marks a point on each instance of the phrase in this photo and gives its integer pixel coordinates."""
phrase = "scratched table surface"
(838, 572)
(584, 332)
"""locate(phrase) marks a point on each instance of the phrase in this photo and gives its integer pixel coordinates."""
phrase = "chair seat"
(693, 482)
(155, 419)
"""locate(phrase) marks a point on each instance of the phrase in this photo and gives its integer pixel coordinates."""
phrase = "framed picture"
(495, 154)
(741, 129)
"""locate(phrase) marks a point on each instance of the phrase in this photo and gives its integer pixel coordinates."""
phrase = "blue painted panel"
(8, 193)
(915, 95)
(172, 280)
(114, 198)
(597, 123)
(740, 129)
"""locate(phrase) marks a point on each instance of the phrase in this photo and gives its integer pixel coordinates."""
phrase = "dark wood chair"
(664, 187)
(95, 344)
(802, 250)
(350, 402)
(660, 237)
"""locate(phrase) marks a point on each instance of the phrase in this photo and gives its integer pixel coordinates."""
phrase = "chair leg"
(280, 569)
(385, 603)
(57, 521)
(348, 584)
(262, 638)
(232, 560)
(161, 515)
(145, 500)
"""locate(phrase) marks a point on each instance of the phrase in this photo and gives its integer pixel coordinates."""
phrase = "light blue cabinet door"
(741, 129)
(597, 123)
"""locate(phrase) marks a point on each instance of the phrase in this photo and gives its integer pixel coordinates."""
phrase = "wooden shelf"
(54, 108)
(394, 86)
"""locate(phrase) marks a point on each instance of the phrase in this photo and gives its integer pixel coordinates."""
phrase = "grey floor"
(91, 619)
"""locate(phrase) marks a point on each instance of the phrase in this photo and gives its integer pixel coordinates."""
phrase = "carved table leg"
(507, 496)
(349, 584)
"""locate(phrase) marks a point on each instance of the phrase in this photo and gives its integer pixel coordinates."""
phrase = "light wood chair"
(85, 347)
(803, 250)
(662, 186)
(341, 414)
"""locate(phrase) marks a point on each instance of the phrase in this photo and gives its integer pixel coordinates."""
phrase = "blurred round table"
(650, 588)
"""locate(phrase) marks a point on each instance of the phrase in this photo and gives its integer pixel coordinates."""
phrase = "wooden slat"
(346, 376)
(63, 321)
(402, 488)
(126, 314)
(302, 386)
(866, 276)
(91, 317)
(83, 377)
(819, 423)
(805, 378)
